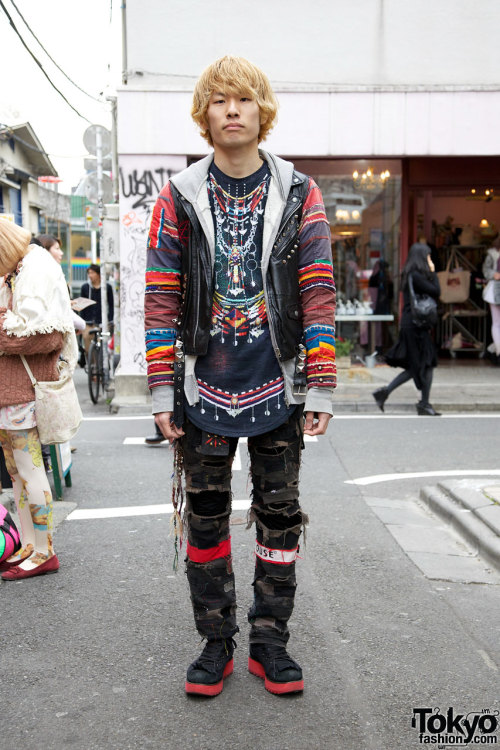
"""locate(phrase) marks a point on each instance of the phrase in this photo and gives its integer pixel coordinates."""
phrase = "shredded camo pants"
(274, 465)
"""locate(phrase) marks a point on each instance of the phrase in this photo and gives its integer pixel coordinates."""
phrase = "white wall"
(329, 124)
(348, 42)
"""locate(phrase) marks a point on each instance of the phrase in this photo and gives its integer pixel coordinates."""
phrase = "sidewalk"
(472, 506)
(458, 386)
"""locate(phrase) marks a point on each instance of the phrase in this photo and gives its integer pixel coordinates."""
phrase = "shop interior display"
(354, 307)
(464, 324)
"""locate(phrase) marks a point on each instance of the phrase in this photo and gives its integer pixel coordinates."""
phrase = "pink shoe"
(16, 574)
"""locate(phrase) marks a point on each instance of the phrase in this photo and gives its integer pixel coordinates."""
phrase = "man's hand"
(164, 421)
(319, 427)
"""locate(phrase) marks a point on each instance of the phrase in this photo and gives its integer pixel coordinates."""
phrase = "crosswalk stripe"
(377, 478)
(89, 514)
(166, 444)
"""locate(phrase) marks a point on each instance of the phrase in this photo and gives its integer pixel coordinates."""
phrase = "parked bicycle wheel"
(94, 371)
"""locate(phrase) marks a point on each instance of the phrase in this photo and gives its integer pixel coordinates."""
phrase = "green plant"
(343, 347)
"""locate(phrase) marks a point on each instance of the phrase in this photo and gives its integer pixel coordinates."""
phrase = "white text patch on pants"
(281, 556)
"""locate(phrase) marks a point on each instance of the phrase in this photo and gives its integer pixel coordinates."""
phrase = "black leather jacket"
(281, 284)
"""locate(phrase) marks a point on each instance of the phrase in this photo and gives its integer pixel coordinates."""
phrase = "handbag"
(491, 292)
(455, 285)
(423, 308)
(10, 541)
(57, 411)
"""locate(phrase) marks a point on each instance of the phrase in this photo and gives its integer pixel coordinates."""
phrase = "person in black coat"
(92, 315)
(414, 350)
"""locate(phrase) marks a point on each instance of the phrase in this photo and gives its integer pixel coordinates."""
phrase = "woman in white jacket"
(35, 321)
(491, 294)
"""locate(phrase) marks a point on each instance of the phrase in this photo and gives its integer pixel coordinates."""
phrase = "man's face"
(233, 120)
(94, 277)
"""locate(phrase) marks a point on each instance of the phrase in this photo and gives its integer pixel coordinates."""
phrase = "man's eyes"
(242, 99)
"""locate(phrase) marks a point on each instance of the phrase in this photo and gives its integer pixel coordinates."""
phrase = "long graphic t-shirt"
(239, 379)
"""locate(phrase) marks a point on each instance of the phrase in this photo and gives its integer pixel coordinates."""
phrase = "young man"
(239, 317)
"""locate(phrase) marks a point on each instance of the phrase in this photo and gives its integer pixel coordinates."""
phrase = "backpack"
(10, 541)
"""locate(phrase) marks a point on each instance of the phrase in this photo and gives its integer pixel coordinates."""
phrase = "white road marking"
(117, 419)
(142, 441)
(237, 459)
(487, 659)
(86, 514)
(377, 478)
(165, 444)
(451, 415)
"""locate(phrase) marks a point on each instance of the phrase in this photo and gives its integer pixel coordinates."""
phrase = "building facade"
(28, 188)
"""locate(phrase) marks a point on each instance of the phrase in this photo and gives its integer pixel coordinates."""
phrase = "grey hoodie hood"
(190, 181)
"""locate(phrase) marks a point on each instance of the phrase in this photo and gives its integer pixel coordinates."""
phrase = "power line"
(2, 6)
(50, 56)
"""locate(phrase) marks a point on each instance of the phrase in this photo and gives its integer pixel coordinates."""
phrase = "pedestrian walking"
(35, 321)
(414, 350)
(239, 317)
(491, 294)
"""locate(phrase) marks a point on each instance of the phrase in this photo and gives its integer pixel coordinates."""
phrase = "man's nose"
(233, 107)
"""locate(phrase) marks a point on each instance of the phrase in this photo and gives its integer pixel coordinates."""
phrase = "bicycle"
(99, 369)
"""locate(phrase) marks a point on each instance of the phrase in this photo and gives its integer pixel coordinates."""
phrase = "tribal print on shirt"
(239, 379)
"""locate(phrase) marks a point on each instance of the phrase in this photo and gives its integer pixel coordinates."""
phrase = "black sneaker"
(205, 676)
(155, 439)
(280, 672)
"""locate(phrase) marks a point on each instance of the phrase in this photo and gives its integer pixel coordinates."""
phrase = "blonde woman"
(35, 321)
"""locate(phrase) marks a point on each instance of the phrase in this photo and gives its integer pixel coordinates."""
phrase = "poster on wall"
(141, 179)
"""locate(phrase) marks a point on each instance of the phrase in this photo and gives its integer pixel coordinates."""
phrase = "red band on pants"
(197, 555)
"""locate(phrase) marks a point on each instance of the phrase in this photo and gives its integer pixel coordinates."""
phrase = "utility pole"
(97, 140)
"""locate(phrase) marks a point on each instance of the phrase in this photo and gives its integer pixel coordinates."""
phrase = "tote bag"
(57, 411)
(455, 285)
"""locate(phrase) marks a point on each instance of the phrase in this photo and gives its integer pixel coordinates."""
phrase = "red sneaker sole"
(278, 688)
(197, 688)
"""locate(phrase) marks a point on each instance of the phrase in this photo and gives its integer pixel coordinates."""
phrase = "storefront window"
(363, 206)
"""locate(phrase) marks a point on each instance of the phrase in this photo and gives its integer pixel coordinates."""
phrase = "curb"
(459, 508)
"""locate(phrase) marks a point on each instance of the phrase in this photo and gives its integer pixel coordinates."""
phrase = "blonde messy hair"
(14, 243)
(234, 75)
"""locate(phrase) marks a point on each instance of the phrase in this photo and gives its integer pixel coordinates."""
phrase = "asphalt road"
(95, 656)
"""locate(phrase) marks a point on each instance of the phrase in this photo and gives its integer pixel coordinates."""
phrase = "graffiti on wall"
(141, 179)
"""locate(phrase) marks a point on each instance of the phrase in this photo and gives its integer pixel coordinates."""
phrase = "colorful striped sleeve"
(160, 356)
(317, 291)
(163, 290)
